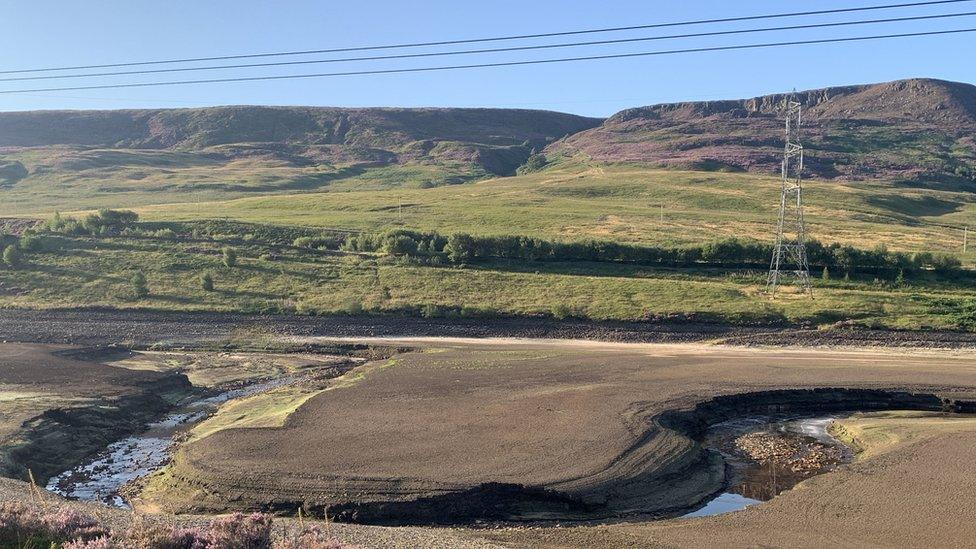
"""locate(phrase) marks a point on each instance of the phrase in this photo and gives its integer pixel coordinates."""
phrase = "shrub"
(29, 243)
(352, 306)
(206, 282)
(11, 256)
(143, 535)
(311, 537)
(535, 163)
(23, 526)
(561, 311)
(103, 542)
(28, 527)
(139, 284)
(167, 234)
(239, 531)
(401, 245)
(229, 256)
(459, 247)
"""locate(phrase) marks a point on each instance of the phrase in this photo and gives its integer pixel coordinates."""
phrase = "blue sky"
(44, 33)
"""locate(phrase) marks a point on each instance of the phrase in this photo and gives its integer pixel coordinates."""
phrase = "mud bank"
(63, 437)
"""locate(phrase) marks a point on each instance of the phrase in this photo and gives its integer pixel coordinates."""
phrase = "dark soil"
(143, 328)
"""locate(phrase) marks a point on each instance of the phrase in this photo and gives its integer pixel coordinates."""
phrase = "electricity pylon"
(790, 252)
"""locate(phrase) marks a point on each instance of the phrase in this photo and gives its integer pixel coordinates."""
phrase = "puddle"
(768, 455)
(101, 478)
(726, 502)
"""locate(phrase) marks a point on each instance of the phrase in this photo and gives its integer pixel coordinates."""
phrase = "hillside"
(917, 133)
(128, 157)
(918, 130)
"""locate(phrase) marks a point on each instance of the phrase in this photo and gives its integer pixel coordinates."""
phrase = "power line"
(488, 39)
(498, 64)
(495, 50)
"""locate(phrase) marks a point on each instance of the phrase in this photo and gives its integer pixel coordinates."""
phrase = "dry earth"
(913, 486)
(585, 422)
(892, 496)
(140, 328)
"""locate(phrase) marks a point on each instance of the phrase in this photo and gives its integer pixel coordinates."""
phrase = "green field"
(68, 178)
(87, 271)
(577, 200)
(570, 200)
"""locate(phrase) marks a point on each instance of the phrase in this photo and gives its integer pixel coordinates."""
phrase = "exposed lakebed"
(766, 454)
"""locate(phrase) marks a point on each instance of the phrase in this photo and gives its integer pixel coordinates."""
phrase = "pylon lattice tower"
(790, 253)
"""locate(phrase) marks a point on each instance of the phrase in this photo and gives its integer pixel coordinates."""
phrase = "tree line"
(730, 253)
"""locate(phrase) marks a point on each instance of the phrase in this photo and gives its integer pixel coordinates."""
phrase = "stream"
(102, 477)
(767, 455)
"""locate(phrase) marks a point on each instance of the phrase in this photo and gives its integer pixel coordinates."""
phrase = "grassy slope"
(68, 179)
(87, 272)
(577, 200)
(570, 200)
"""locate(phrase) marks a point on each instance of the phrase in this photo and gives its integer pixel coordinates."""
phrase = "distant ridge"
(496, 139)
(919, 131)
(906, 128)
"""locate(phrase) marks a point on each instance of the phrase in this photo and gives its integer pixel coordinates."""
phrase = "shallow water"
(752, 482)
(726, 502)
(102, 477)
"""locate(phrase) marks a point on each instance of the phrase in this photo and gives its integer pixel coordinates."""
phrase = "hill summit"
(902, 129)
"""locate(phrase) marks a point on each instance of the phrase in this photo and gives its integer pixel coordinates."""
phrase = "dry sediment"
(534, 432)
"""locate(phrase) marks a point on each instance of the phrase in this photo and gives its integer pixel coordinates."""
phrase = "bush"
(29, 243)
(206, 282)
(535, 163)
(353, 306)
(139, 284)
(401, 245)
(311, 537)
(23, 526)
(11, 256)
(103, 223)
(28, 527)
(167, 234)
(229, 256)
(239, 531)
(561, 311)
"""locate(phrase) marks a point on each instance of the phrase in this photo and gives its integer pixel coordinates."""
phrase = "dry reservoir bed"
(463, 430)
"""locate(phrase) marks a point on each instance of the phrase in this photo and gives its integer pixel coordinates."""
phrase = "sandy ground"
(581, 419)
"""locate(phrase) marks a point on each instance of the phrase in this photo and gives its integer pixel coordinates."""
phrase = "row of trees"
(102, 223)
(731, 253)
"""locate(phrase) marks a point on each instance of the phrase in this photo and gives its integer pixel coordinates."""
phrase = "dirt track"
(583, 422)
(143, 328)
